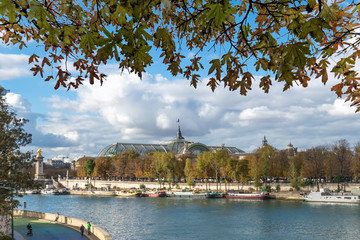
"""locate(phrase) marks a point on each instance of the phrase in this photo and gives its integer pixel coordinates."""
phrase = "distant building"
(264, 142)
(178, 145)
(63, 158)
(60, 161)
(75, 164)
(57, 164)
(292, 151)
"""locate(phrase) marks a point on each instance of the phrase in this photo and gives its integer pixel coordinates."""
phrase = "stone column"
(39, 166)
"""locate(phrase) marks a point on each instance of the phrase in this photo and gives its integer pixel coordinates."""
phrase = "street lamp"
(12, 221)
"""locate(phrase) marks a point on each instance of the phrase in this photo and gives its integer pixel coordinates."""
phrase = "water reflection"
(172, 218)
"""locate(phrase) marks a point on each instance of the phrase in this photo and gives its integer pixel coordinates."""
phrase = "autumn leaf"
(279, 39)
(37, 69)
(212, 83)
(33, 58)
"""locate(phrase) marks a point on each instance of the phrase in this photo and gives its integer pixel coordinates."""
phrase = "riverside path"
(43, 230)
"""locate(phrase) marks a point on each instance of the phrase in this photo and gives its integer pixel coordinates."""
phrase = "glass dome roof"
(178, 145)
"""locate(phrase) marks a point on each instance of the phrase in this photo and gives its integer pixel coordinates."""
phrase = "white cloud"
(18, 102)
(73, 135)
(13, 66)
(207, 110)
(254, 113)
(162, 121)
(338, 108)
(128, 109)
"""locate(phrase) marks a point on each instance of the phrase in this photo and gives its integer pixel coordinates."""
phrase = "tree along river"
(169, 218)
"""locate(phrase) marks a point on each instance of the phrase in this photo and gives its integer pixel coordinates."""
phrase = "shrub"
(142, 186)
(5, 237)
(339, 179)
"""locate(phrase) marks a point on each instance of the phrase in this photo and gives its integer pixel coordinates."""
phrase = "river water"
(169, 218)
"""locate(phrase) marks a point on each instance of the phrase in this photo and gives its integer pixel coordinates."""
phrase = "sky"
(127, 109)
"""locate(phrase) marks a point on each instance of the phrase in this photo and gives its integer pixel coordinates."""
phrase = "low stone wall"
(94, 193)
(81, 184)
(287, 195)
(72, 222)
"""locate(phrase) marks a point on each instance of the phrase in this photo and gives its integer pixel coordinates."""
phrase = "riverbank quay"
(92, 192)
(79, 186)
(46, 222)
(45, 230)
(173, 219)
(287, 196)
(274, 195)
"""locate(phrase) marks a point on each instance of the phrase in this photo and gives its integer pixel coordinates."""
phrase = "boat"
(325, 195)
(124, 193)
(64, 191)
(244, 195)
(153, 194)
(188, 194)
(48, 191)
(214, 195)
(32, 191)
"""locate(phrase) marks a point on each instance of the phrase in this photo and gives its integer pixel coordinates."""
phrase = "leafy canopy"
(89, 166)
(288, 41)
(14, 164)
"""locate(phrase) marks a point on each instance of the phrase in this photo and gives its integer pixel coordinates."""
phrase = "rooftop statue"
(38, 153)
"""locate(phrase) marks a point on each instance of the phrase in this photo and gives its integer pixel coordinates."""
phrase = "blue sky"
(126, 109)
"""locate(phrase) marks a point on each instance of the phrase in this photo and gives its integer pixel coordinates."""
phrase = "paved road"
(43, 230)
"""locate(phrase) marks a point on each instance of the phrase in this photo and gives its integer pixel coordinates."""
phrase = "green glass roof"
(178, 145)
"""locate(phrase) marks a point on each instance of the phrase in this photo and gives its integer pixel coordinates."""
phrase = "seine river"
(168, 218)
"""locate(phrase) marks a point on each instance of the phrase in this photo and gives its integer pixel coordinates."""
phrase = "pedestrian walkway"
(45, 230)
(18, 236)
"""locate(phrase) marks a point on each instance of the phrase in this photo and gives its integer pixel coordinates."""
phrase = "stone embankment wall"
(71, 222)
(102, 184)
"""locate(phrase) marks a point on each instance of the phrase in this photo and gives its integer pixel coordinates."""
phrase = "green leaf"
(217, 14)
(141, 31)
(119, 16)
(314, 28)
(87, 41)
(107, 33)
(7, 7)
(357, 8)
(325, 12)
(312, 3)
(52, 36)
(295, 54)
(38, 12)
(215, 64)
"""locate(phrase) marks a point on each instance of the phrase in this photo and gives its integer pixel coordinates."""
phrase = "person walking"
(56, 216)
(29, 228)
(88, 227)
(82, 228)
